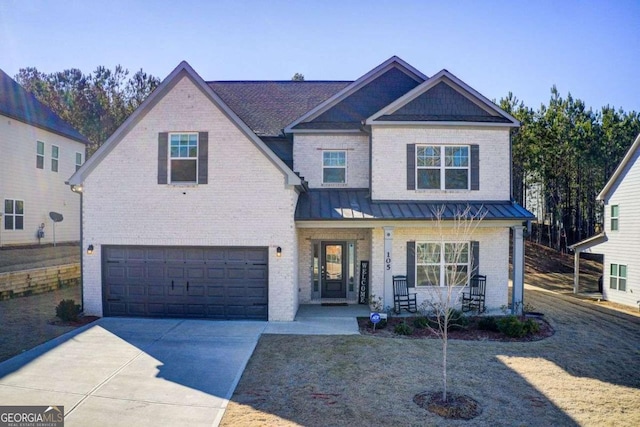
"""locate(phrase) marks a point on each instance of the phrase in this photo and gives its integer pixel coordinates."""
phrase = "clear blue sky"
(588, 48)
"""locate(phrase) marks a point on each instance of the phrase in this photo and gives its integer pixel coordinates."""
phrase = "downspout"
(81, 257)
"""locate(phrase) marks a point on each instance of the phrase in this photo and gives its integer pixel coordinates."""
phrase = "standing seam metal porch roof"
(356, 204)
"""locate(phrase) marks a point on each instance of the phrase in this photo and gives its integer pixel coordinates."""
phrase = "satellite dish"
(55, 216)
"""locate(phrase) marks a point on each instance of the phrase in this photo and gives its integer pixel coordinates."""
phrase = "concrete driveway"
(142, 372)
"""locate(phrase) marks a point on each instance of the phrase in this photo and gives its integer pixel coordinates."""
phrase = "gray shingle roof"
(267, 107)
(17, 103)
(356, 204)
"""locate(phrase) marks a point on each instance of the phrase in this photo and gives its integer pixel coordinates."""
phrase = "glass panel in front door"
(333, 261)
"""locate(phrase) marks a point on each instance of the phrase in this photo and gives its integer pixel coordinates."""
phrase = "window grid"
(618, 277)
(40, 155)
(183, 157)
(615, 217)
(334, 167)
(55, 152)
(78, 160)
(442, 168)
(13, 214)
(441, 264)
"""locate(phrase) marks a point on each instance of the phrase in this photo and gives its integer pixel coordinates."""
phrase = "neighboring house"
(619, 241)
(40, 151)
(245, 199)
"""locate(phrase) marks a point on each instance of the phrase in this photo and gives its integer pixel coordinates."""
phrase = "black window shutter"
(411, 263)
(475, 258)
(411, 166)
(203, 157)
(475, 167)
(163, 153)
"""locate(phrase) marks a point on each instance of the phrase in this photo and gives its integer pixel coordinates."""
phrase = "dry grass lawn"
(586, 374)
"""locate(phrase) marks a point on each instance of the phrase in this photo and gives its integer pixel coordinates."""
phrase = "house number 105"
(387, 261)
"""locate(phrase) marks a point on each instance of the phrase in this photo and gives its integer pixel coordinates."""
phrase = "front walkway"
(315, 319)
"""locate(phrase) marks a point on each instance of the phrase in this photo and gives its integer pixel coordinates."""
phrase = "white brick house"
(40, 152)
(619, 240)
(246, 199)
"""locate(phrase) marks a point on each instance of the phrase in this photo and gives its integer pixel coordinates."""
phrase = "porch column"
(576, 270)
(517, 295)
(388, 272)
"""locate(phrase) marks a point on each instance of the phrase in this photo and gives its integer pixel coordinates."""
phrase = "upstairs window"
(40, 155)
(55, 152)
(78, 160)
(183, 157)
(618, 277)
(334, 167)
(13, 214)
(442, 167)
(615, 213)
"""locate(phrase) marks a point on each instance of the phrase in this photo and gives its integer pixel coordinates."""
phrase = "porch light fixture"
(89, 249)
(279, 252)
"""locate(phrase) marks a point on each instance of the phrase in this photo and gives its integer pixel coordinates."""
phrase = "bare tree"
(444, 268)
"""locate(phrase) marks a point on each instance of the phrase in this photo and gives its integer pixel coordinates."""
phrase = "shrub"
(488, 324)
(68, 310)
(514, 327)
(457, 320)
(421, 323)
(380, 325)
(403, 329)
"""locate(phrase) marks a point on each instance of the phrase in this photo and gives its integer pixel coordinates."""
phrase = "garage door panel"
(257, 273)
(197, 290)
(236, 273)
(116, 271)
(155, 255)
(175, 272)
(223, 282)
(156, 271)
(195, 272)
(216, 272)
(137, 290)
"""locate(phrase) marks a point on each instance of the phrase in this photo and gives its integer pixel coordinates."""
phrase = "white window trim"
(617, 218)
(14, 215)
(76, 160)
(345, 167)
(196, 158)
(617, 277)
(40, 155)
(443, 168)
(55, 159)
(442, 263)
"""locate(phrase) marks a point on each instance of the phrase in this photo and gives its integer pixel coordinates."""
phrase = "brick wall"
(245, 203)
(389, 163)
(38, 280)
(306, 239)
(494, 260)
(307, 158)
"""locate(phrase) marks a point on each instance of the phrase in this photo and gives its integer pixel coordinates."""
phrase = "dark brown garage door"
(204, 282)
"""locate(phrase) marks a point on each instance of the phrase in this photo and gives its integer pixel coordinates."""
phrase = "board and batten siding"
(307, 158)
(42, 190)
(245, 201)
(390, 159)
(622, 245)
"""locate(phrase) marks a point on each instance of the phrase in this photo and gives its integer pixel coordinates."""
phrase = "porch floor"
(316, 319)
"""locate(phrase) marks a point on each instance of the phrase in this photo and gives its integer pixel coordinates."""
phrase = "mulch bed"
(469, 332)
(457, 407)
(84, 320)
